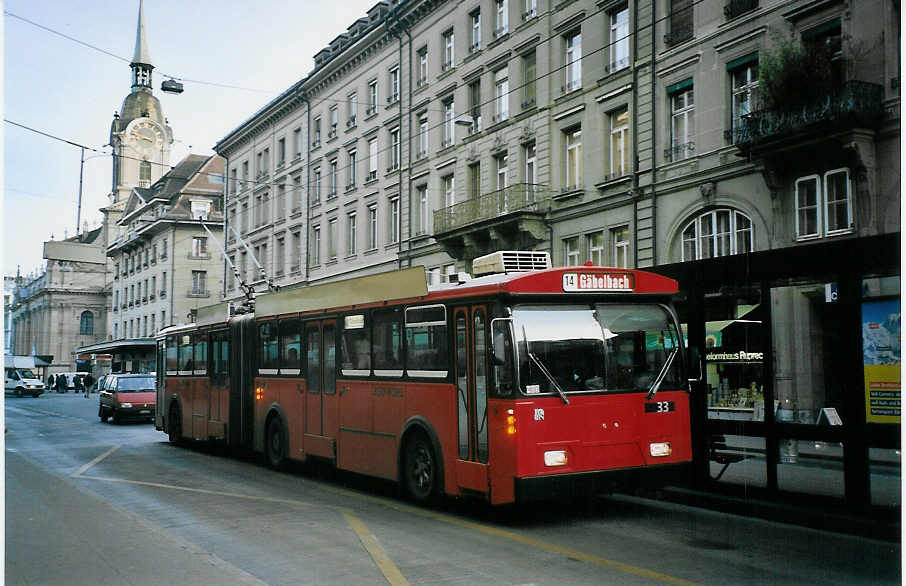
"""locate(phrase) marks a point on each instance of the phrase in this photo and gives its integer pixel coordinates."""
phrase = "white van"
(21, 381)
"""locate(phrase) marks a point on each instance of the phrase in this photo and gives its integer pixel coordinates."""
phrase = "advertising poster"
(881, 360)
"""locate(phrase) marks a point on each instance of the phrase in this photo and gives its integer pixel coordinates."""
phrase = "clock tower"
(139, 134)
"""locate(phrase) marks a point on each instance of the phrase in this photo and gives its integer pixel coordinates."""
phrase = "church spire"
(141, 59)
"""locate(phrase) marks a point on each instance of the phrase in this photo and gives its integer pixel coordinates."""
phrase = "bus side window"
(291, 345)
(355, 346)
(185, 354)
(388, 343)
(201, 354)
(426, 341)
(268, 354)
(172, 364)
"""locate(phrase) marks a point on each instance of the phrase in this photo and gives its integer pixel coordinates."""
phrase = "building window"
(572, 61)
(394, 86)
(475, 106)
(449, 273)
(394, 150)
(352, 106)
(449, 54)
(503, 180)
(529, 74)
(372, 227)
(372, 97)
(530, 169)
(823, 205)
(573, 158)
(619, 238)
(619, 143)
(199, 246)
(295, 255)
(449, 190)
(501, 94)
(529, 9)
(145, 326)
(475, 45)
(743, 93)
(350, 234)
(297, 142)
(449, 129)
(571, 251)
(332, 239)
(594, 243)
(315, 252)
(199, 282)
(680, 22)
(316, 133)
(682, 122)
(474, 180)
(280, 257)
(281, 152)
(372, 159)
(153, 325)
(280, 210)
(245, 174)
(717, 233)
(163, 318)
(422, 201)
(394, 218)
(351, 170)
(332, 179)
(233, 181)
(297, 193)
(163, 284)
(316, 185)
(422, 136)
(502, 24)
(144, 174)
(86, 323)
(619, 39)
(422, 76)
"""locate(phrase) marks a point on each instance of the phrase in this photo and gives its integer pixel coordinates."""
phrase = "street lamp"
(81, 174)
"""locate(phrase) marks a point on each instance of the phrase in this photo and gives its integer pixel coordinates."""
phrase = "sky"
(65, 89)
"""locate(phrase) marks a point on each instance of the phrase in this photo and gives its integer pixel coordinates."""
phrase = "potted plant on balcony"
(794, 74)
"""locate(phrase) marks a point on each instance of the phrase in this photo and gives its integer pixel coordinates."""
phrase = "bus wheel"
(274, 448)
(419, 469)
(174, 425)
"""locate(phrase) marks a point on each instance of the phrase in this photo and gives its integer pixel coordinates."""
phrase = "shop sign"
(881, 360)
(597, 282)
(740, 356)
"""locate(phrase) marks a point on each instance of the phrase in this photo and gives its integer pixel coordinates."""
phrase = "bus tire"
(275, 444)
(420, 469)
(174, 425)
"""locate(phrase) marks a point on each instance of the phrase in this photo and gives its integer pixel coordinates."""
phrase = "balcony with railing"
(856, 104)
(509, 217)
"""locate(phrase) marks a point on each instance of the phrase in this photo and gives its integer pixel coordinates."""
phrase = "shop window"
(717, 233)
(734, 354)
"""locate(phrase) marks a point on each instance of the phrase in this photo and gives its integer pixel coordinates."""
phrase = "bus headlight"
(555, 458)
(126, 405)
(660, 449)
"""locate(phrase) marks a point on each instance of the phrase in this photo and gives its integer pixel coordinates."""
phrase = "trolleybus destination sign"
(595, 282)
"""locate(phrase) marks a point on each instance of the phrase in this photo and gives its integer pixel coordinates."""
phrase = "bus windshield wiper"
(662, 374)
(543, 368)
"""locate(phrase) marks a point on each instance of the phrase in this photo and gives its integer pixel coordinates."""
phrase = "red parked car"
(127, 396)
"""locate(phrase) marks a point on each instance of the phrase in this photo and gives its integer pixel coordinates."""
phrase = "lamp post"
(81, 175)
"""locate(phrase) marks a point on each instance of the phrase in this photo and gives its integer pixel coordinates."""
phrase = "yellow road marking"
(82, 470)
(380, 557)
(471, 525)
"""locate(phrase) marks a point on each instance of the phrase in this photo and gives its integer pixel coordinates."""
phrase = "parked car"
(21, 381)
(127, 396)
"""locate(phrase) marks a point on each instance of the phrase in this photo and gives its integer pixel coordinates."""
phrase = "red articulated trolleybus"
(518, 385)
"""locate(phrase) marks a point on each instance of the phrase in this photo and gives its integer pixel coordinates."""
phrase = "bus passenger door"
(219, 375)
(321, 398)
(470, 325)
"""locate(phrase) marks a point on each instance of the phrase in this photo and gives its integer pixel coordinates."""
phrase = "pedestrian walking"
(88, 380)
(61, 383)
(51, 381)
(80, 385)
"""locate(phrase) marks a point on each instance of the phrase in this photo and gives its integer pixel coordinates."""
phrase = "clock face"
(146, 136)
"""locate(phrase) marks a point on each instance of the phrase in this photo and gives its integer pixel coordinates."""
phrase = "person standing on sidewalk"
(61, 383)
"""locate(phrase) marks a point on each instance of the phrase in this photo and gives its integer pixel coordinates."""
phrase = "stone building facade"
(659, 135)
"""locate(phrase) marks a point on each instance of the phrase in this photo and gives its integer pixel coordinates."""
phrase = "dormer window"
(201, 209)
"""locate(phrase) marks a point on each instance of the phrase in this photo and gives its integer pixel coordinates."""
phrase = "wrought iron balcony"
(856, 103)
(517, 198)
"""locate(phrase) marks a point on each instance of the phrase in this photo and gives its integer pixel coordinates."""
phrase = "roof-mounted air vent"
(511, 261)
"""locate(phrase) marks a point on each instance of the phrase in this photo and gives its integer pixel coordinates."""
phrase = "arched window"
(717, 233)
(86, 323)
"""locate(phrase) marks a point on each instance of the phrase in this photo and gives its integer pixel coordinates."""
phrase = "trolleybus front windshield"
(595, 348)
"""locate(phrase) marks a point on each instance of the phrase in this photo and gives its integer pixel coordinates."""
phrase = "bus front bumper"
(586, 484)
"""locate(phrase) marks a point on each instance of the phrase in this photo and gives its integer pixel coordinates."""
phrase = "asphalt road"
(96, 503)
